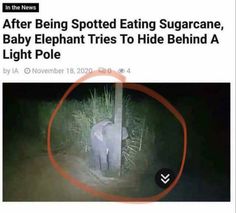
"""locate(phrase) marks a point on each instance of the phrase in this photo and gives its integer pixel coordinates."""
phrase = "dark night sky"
(215, 95)
(170, 90)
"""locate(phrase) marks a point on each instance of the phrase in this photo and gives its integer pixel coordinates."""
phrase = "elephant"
(103, 149)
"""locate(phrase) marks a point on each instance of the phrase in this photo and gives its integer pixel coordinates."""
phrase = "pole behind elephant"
(116, 154)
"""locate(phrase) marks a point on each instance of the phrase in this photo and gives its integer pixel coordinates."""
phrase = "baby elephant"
(102, 144)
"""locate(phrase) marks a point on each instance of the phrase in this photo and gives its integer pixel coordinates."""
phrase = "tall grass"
(101, 106)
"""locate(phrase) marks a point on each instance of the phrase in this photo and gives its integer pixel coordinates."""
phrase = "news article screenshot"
(117, 106)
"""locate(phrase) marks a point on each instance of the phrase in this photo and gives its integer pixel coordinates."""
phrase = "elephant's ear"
(99, 135)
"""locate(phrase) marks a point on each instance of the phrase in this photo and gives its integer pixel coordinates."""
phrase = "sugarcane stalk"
(141, 137)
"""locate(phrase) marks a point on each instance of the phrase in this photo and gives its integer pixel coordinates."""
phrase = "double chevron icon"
(165, 179)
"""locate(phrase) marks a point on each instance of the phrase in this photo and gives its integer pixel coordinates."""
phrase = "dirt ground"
(34, 179)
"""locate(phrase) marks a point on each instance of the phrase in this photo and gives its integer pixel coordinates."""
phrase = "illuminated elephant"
(103, 151)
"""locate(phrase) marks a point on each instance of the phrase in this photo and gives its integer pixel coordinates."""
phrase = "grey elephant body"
(103, 151)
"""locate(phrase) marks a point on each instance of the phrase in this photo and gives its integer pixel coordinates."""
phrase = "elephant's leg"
(103, 160)
(96, 161)
(112, 159)
(95, 153)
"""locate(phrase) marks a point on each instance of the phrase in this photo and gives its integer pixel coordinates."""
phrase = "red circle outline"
(132, 86)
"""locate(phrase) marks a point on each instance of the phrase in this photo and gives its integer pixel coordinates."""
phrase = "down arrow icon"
(164, 177)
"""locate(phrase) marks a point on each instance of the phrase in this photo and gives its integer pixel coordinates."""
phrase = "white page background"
(148, 63)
